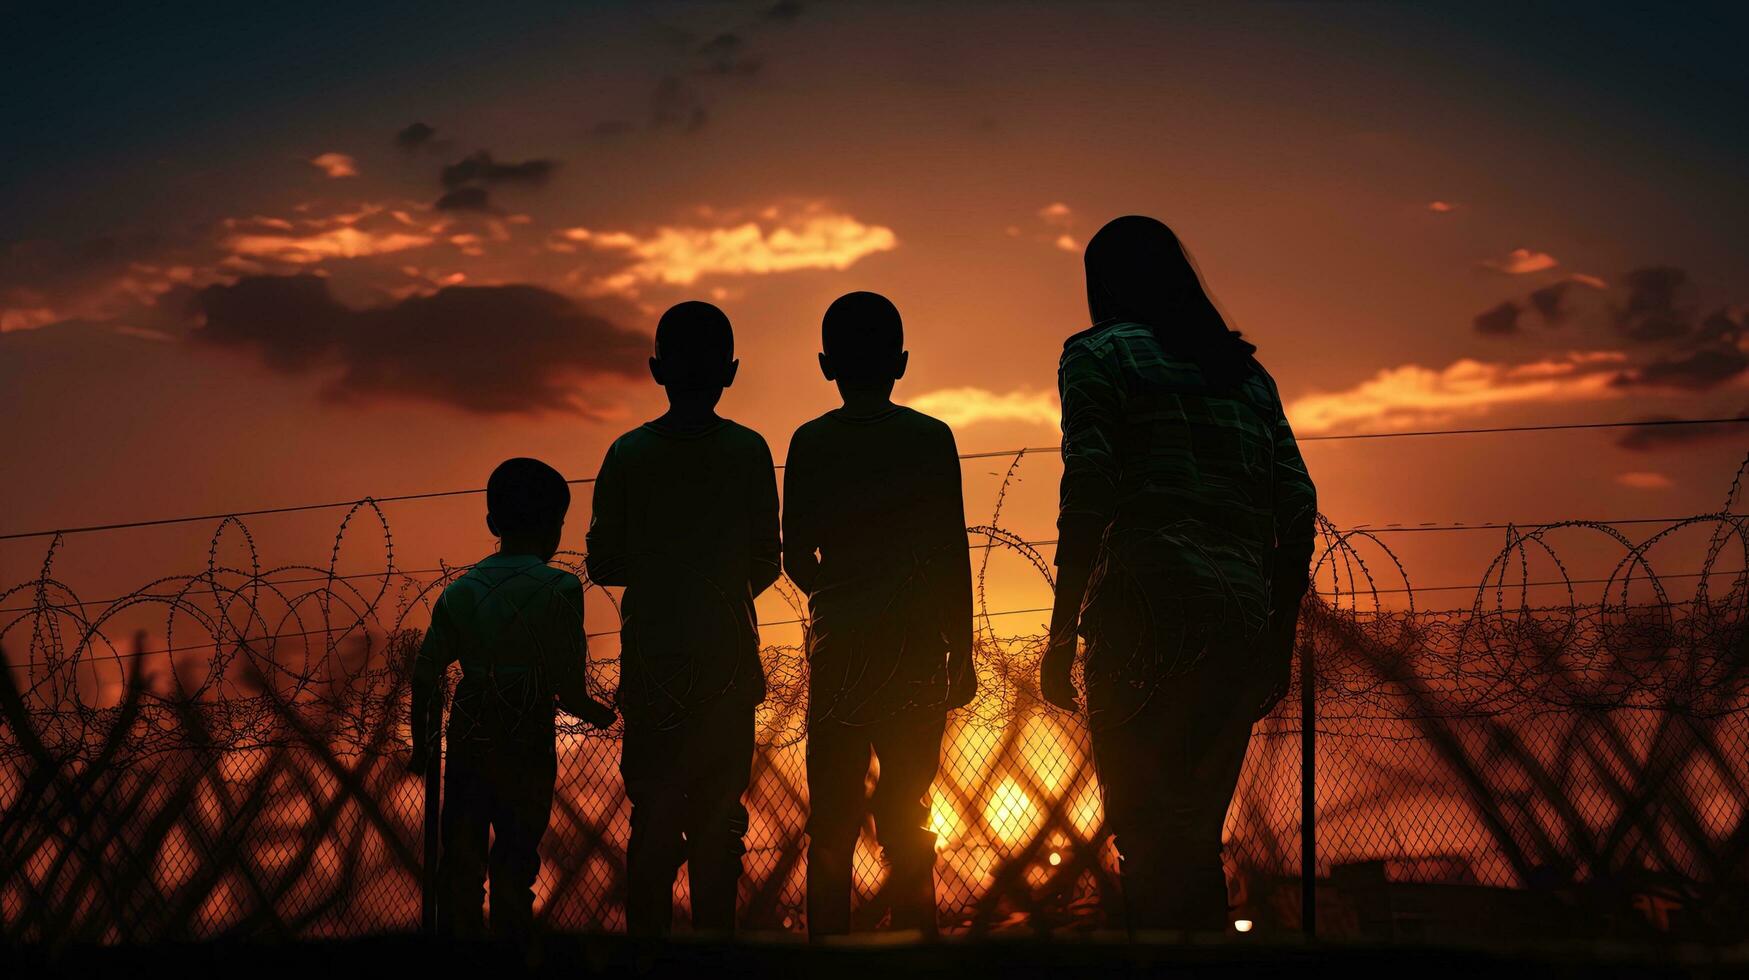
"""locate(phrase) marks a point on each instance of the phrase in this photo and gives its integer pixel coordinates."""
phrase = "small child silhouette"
(686, 519)
(874, 532)
(516, 625)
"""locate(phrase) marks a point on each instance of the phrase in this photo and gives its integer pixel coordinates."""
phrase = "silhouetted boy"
(516, 625)
(686, 519)
(874, 531)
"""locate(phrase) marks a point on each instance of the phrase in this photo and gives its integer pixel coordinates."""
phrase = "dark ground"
(412, 958)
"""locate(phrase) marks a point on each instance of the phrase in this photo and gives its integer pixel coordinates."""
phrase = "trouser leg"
(654, 785)
(838, 757)
(1169, 772)
(1141, 795)
(521, 808)
(464, 826)
(653, 857)
(716, 819)
(1180, 875)
(909, 749)
(831, 855)
(1214, 779)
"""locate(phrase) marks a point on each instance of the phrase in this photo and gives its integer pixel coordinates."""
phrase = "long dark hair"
(1137, 270)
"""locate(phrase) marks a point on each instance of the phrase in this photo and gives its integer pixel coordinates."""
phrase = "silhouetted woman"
(1185, 532)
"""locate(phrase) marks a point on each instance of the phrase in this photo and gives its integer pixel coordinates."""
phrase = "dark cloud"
(481, 167)
(1698, 371)
(610, 128)
(1720, 326)
(676, 104)
(726, 54)
(1653, 288)
(414, 136)
(1654, 326)
(45, 263)
(708, 60)
(1653, 306)
(1673, 347)
(1501, 321)
(1654, 309)
(1676, 436)
(1548, 301)
(465, 199)
(486, 349)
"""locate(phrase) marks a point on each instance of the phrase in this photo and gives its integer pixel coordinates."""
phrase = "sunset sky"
(263, 256)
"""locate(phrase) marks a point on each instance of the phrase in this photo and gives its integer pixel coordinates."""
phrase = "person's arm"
(604, 545)
(801, 537)
(567, 654)
(436, 652)
(1092, 408)
(962, 673)
(1296, 512)
(1056, 683)
(766, 547)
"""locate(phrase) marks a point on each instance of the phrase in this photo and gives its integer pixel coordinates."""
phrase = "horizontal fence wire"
(988, 454)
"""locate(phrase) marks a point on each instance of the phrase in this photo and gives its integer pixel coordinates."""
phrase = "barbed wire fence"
(245, 775)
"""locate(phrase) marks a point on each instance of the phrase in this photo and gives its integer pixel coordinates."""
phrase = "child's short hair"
(526, 496)
(695, 342)
(862, 334)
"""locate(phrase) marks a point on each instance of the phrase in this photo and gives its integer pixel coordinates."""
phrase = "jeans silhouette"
(509, 797)
(685, 784)
(908, 746)
(1168, 766)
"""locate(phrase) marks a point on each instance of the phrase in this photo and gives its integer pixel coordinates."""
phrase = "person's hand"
(962, 687)
(1277, 680)
(1276, 671)
(597, 714)
(1054, 681)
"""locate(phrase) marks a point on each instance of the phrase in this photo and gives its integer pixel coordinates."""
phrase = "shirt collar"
(496, 560)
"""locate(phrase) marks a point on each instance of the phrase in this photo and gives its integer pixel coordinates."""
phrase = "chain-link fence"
(1569, 768)
(318, 831)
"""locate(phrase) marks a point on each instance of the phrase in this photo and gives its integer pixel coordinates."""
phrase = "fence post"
(432, 824)
(1308, 795)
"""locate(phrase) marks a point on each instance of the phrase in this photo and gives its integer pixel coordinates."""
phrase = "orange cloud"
(112, 289)
(142, 280)
(960, 407)
(1644, 481)
(1521, 261)
(1060, 224)
(342, 236)
(335, 165)
(26, 317)
(775, 241)
(1412, 395)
